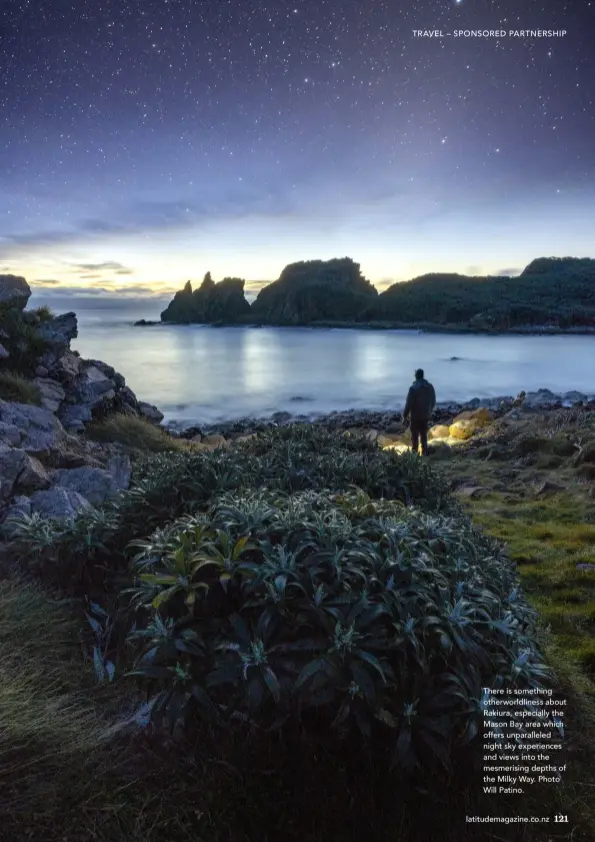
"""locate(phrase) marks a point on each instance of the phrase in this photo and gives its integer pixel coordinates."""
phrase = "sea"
(200, 374)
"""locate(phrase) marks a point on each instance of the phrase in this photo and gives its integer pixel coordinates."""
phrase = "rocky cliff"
(209, 304)
(314, 290)
(48, 394)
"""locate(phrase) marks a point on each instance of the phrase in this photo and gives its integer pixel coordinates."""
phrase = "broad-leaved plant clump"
(168, 486)
(331, 612)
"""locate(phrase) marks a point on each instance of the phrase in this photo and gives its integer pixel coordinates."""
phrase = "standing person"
(421, 400)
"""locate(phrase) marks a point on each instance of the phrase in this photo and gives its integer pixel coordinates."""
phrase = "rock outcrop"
(14, 292)
(45, 467)
(211, 303)
(314, 291)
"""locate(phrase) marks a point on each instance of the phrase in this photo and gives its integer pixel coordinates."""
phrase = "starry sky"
(145, 142)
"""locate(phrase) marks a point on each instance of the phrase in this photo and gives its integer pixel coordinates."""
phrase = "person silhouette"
(421, 401)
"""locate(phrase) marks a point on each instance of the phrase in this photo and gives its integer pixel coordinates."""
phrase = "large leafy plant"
(334, 613)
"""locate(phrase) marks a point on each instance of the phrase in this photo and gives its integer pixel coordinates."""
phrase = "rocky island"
(551, 294)
(209, 304)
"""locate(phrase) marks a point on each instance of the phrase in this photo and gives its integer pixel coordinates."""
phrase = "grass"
(550, 534)
(13, 387)
(136, 433)
(49, 733)
(43, 313)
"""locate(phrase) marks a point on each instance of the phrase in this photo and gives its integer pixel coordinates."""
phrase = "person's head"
(419, 374)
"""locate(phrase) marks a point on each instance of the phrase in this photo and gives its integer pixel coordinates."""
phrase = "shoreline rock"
(45, 466)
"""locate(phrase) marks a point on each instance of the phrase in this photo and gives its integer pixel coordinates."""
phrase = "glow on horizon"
(430, 238)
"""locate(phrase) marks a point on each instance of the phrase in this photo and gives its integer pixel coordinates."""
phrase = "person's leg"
(414, 437)
(424, 437)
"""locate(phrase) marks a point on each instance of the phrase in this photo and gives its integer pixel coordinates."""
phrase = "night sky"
(145, 143)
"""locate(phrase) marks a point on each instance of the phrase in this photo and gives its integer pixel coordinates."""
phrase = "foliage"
(168, 485)
(13, 387)
(550, 291)
(334, 612)
(103, 627)
(22, 341)
(134, 432)
(43, 313)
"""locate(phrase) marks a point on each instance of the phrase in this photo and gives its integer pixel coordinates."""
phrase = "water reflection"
(227, 372)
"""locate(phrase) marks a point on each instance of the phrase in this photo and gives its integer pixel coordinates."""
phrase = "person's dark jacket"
(421, 401)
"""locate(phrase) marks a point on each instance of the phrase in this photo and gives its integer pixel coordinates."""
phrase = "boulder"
(128, 400)
(372, 435)
(14, 291)
(150, 412)
(52, 393)
(462, 429)
(438, 431)
(541, 399)
(9, 434)
(20, 472)
(41, 371)
(4, 355)
(95, 484)
(67, 367)
(59, 331)
(59, 502)
(92, 387)
(108, 371)
(75, 416)
(40, 430)
(481, 416)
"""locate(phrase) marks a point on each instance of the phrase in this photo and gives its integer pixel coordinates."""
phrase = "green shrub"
(23, 344)
(169, 485)
(13, 387)
(136, 433)
(333, 613)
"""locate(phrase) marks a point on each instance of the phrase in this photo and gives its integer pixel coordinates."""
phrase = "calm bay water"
(198, 374)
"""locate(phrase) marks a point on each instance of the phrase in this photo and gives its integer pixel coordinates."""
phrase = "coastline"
(419, 327)
(541, 400)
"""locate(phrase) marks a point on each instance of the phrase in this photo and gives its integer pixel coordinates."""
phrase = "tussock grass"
(136, 433)
(13, 387)
(43, 313)
(49, 733)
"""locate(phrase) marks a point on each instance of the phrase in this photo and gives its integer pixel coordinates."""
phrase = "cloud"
(138, 290)
(509, 272)
(140, 217)
(95, 267)
(44, 282)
